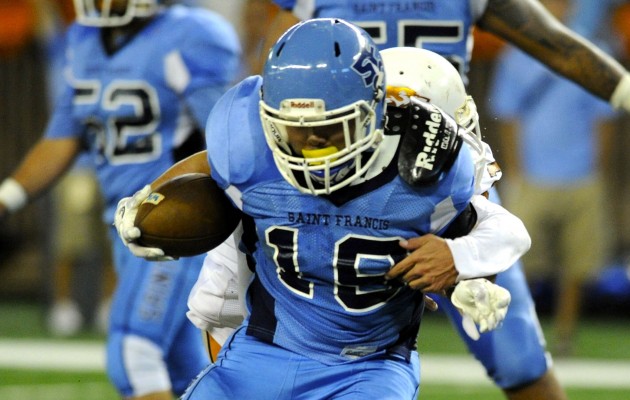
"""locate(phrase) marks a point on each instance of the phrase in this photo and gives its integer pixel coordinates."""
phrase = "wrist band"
(620, 98)
(12, 195)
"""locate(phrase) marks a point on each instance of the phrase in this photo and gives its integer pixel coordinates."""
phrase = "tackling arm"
(483, 252)
(529, 26)
(436, 264)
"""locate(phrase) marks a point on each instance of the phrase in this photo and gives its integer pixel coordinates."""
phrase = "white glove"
(127, 231)
(480, 302)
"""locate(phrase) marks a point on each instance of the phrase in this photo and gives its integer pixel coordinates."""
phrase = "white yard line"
(448, 369)
(439, 369)
(52, 355)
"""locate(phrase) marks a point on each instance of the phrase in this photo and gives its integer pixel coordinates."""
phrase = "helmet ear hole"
(337, 49)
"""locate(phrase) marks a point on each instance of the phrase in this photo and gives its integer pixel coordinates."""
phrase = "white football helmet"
(415, 74)
(108, 13)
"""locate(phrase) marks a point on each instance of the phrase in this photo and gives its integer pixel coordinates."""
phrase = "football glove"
(482, 303)
(127, 231)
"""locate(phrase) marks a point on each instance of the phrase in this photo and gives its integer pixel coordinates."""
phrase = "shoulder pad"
(429, 146)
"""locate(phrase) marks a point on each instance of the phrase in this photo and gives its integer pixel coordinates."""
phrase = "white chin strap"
(467, 117)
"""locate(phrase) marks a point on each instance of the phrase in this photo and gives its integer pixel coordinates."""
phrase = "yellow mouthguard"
(316, 153)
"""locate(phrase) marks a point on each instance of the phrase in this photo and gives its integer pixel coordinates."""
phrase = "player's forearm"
(529, 26)
(496, 242)
(41, 168)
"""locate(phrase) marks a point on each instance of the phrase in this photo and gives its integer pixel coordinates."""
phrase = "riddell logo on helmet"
(426, 158)
(370, 66)
(302, 104)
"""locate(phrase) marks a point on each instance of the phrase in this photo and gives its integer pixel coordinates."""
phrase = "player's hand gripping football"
(482, 303)
(124, 220)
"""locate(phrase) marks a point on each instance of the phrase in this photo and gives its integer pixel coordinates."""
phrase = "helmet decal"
(400, 96)
(370, 68)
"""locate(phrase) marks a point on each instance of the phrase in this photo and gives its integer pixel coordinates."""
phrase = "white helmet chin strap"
(468, 118)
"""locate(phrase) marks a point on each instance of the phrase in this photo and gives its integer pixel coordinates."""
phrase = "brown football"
(186, 216)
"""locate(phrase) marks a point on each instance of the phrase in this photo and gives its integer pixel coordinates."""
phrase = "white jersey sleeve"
(483, 252)
(213, 302)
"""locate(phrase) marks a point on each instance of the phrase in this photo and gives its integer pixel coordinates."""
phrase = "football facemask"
(322, 171)
(110, 13)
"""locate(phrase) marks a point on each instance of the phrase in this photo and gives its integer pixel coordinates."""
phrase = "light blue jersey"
(138, 110)
(443, 27)
(138, 107)
(320, 260)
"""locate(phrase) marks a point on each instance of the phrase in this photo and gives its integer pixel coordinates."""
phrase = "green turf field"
(599, 340)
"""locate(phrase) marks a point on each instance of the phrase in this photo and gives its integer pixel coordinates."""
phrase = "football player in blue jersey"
(413, 73)
(337, 213)
(141, 80)
(445, 27)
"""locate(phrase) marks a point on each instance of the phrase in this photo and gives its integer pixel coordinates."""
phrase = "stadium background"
(26, 246)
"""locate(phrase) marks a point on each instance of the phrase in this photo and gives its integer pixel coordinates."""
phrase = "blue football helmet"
(108, 13)
(320, 73)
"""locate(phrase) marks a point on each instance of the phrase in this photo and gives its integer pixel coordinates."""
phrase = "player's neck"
(114, 38)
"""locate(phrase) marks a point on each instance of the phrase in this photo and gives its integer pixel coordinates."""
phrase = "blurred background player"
(141, 82)
(446, 28)
(82, 278)
(556, 148)
(242, 14)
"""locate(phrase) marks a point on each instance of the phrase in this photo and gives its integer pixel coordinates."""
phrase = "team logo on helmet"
(370, 67)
